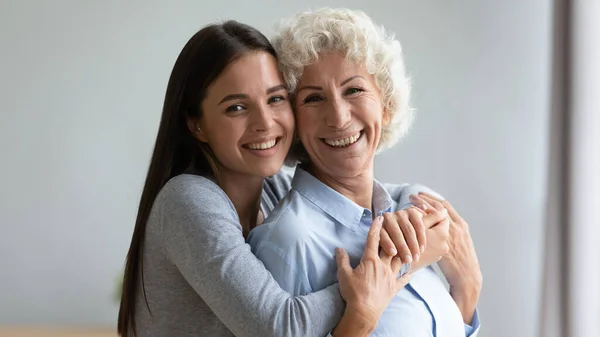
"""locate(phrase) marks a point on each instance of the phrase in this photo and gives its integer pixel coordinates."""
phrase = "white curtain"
(571, 292)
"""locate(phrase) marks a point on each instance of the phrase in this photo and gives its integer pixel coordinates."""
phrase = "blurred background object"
(571, 278)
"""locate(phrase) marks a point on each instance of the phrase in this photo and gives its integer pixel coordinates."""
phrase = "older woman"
(351, 100)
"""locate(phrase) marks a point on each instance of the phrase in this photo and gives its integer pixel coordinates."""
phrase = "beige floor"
(55, 332)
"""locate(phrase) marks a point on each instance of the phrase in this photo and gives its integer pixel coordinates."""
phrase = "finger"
(372, 246)
(444, 227)
(433, 219)
(443, 231)
(387, 259)
(435, 214)
(416, 219)
(386, 243)
(398, 237)
(418, 210)
(392, 228)
(437, 204)
(453, 213)
(396, 265)
(402, 281)
(342, 260)
(421, 203)
(446, 204)
(410, 236)
(430, 196)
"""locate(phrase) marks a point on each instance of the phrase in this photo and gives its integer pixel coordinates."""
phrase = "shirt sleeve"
(202, 237)
(473, 329)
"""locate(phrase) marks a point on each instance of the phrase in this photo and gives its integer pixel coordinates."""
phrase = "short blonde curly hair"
(299, 40)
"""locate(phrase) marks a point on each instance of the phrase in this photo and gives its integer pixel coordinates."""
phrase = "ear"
(387, 117)
(194, 127)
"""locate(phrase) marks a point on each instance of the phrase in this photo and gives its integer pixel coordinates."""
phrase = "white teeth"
(262, 146)
(343, 142)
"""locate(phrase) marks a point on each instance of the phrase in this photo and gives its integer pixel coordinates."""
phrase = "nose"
(338, 114)
(262, 119)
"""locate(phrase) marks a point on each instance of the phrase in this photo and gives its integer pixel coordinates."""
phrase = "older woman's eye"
(235, 108)
(276, 99)
(352, 91)
(312, 99)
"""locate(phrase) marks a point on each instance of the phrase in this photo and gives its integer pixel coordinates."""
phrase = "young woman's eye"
(276, 99)
(352, 91)
(312, 99)
(235, 108)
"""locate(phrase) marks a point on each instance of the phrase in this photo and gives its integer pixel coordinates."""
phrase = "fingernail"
(408, 259)
(422, 248)
(417, 256)
(393, 251)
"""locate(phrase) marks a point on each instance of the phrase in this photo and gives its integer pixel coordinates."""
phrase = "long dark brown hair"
(176, 150)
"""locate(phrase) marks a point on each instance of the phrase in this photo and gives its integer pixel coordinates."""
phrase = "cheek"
(289, 121)
(374, 113)
(225, 140)
(305, 124)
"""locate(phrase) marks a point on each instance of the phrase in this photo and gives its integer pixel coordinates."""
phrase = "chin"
(270, 170)
(343, 169)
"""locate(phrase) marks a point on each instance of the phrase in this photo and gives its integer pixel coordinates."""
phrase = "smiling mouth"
(263, 145)
(342, 142)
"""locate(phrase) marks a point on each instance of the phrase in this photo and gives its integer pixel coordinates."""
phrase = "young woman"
(226, 126)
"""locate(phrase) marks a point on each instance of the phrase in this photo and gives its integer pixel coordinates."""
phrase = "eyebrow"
(245, 96)
(314, 87)
(350, 79)
(276, 88)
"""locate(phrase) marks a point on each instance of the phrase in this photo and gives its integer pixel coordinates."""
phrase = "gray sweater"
(201, 279)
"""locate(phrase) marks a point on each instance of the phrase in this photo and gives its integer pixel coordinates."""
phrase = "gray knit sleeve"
(203, 238)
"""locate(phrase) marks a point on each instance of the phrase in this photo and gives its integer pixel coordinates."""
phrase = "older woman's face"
(339, 116)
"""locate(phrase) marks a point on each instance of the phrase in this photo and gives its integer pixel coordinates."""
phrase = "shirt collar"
(336, 205)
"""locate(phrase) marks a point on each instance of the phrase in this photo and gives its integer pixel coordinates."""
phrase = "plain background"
(81, 91)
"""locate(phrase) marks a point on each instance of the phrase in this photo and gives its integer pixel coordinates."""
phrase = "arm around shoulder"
(203, 239)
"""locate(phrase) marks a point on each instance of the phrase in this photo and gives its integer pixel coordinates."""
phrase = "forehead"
(333, 66)
(252, 73)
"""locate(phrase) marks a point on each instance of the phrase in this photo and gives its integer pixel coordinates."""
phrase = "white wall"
(82, 85)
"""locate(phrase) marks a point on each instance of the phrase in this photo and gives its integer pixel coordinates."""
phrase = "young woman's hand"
(369, 288)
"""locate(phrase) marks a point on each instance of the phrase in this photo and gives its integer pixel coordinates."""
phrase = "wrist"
(466, 284)
(466, 299)
(356, 323)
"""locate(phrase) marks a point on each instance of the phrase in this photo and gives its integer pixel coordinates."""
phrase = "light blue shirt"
(297, 242)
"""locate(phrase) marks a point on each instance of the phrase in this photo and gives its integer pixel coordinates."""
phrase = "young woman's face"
(247, 118)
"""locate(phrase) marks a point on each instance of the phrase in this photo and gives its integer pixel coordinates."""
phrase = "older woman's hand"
(437, 234)
(406, 233)
(460, 266)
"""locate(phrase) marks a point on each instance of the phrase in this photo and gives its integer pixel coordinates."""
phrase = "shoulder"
(190, 190)
(280, 184)
(192, 200)
(190, 184)
(285, 226)
(400, 193)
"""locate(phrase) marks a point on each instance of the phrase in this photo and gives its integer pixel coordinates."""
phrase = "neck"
(358, 188)
(245, 194)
